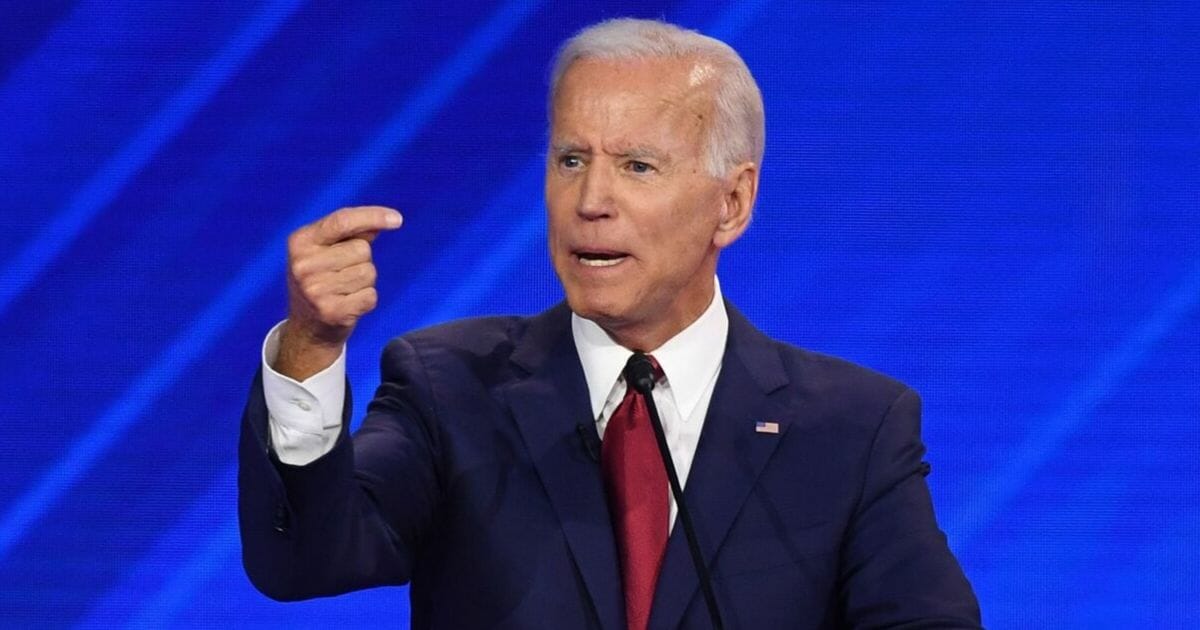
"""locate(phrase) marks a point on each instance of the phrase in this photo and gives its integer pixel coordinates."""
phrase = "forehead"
(626, 94)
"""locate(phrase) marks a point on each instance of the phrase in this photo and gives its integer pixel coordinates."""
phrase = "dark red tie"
(637, 498)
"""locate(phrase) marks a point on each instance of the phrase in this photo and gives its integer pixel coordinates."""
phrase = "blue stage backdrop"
(997, 203)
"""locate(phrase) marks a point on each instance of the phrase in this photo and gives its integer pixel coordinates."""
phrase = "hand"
(331, 284)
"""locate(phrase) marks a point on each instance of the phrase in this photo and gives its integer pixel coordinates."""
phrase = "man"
(479, 475)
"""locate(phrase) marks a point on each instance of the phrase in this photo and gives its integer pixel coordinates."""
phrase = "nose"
(596, 194)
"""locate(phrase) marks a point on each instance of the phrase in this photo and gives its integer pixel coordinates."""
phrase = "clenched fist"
(331, 284)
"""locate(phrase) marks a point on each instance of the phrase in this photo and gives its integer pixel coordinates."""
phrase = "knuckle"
(298, 240)
(300, 267)
(335, 222)
(314, 292)
(326, 310)
(370, 299)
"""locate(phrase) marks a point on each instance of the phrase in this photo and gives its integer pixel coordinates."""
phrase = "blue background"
(995, 203)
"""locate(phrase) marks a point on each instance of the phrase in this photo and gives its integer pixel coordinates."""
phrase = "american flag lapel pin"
(763, 426)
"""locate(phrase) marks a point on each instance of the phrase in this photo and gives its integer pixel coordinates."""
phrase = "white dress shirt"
(690, 361)
(306, 417)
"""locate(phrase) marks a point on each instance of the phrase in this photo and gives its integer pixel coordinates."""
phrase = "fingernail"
(393, 219)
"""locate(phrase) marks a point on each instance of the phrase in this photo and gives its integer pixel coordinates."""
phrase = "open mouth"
(600, 258)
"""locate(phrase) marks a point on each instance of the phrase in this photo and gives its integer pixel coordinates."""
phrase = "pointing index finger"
(361, 221)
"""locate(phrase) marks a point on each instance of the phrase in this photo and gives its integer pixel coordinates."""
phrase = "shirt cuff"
(305, 417)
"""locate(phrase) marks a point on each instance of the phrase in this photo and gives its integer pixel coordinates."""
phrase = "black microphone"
(639, 373)
(587, 435)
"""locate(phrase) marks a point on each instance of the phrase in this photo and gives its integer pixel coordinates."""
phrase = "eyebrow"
(633, 151)
(642, 151)
(567, 147)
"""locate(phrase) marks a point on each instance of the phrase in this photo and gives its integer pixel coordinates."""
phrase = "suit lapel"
(549, 405)
(729, 458)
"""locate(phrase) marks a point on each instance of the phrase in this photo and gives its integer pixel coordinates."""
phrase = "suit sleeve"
(897, 570)
(354, 517)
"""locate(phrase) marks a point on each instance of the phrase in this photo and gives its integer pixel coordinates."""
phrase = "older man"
(479, 475)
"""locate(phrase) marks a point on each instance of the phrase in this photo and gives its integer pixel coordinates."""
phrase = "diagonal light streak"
(509, 222)
(106, 183)
(207, 328)
(518, 199)
(514, 210)
(1004, 485)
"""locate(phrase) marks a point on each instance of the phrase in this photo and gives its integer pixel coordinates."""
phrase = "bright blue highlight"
(115, 174)
(205, 330)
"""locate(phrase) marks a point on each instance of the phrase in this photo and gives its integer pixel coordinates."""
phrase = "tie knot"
(658, 371)
(642, 371)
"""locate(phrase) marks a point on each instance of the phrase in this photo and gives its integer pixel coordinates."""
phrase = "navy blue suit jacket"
(471, 479)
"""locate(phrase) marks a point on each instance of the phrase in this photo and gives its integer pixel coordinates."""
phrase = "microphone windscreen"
(639, 372)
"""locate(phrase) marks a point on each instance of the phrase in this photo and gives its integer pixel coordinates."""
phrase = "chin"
(591, 304)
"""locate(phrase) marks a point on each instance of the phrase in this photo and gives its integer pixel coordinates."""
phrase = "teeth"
(599, 262)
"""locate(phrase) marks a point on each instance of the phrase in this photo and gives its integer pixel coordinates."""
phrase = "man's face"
(633, 211)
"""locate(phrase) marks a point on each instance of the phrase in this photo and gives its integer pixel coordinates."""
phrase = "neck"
(648, 337)
(643, 341)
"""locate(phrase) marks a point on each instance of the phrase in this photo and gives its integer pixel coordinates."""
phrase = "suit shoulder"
(469, 331)
(463, 362)
(833, 378)
(839, 395)
(480, 336)
(473, 346)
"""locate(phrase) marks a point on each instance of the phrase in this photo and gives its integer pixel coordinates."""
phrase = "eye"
(639, 167)
(570, 161)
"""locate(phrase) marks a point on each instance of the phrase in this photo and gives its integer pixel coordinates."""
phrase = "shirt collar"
(689, 360)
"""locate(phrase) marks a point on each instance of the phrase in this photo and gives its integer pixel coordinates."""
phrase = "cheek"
(554, 215)
(692, 223)
(555, 190)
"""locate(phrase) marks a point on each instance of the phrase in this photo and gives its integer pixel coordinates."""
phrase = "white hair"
(737, 134)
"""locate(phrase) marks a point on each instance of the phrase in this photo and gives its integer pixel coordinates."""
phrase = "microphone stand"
(642, 373)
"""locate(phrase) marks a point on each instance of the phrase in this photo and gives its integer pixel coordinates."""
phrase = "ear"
(741, 188)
